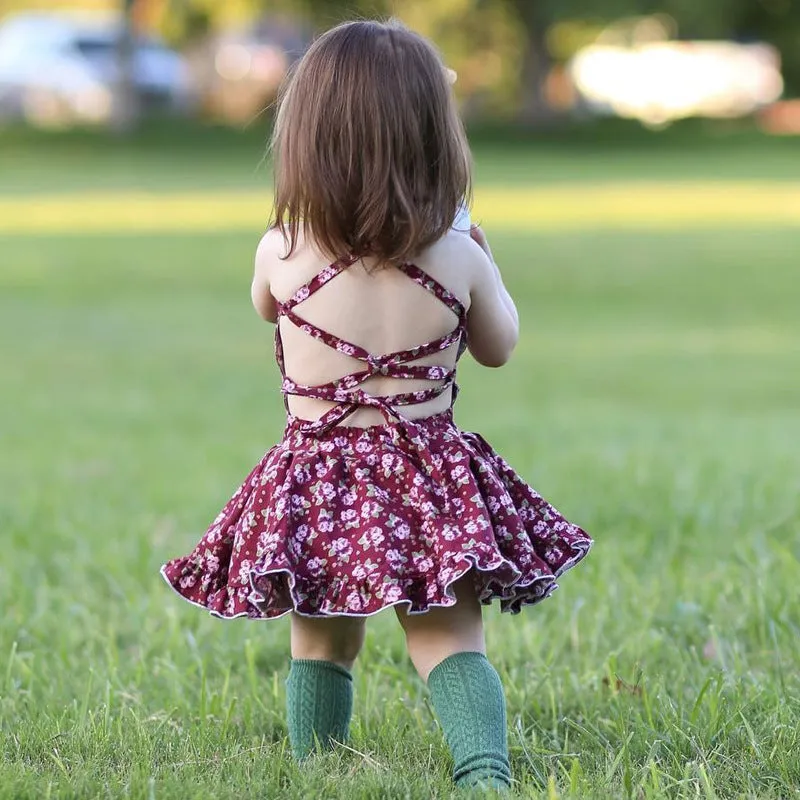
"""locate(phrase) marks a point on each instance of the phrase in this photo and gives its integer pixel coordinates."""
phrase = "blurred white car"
(658, 82)
(58, 70)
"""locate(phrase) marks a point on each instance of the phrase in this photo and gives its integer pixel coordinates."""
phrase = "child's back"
(383, 310)
(374, 497)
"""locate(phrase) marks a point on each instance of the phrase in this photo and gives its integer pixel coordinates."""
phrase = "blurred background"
(114, 63)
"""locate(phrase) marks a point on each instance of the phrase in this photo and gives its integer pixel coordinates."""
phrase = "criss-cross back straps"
(337, 267)
(384, 364)
(345, 391)
(350, 402)
(317, 282)
(435, 288)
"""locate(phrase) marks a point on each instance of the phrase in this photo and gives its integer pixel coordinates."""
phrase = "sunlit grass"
(662, 205)
(654, 399)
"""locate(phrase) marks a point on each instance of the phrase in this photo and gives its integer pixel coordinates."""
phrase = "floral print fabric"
(342, 520)
(353, 520)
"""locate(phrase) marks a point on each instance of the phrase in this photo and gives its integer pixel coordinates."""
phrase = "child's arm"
(492, 320)
(268, 255)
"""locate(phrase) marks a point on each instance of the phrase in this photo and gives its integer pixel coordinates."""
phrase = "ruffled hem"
(513, 596)
(435, 503)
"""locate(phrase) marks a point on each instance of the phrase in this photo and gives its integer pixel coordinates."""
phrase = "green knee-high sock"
(319, 701)
(469, 701)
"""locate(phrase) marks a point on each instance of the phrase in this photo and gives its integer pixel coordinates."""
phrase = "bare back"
(382, 311)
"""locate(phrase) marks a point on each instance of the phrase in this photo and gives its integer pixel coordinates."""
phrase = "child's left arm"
(267, 255)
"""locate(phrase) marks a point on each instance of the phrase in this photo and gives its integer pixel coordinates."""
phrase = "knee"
(442, 632)
(427, 648)
(424, 654)
(336, 645)
(345, 651)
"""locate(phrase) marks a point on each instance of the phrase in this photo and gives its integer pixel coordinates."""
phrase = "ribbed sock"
(319, 702)
(468, 698)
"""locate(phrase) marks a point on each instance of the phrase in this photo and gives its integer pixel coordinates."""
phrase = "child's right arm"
(267, 256)
(492, 320)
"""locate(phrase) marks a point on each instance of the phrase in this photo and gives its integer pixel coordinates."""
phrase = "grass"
(654, 399)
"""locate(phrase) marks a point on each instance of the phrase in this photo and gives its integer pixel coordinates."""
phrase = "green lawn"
(655, 399)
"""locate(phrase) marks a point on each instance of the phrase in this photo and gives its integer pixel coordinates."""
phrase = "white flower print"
(213, 536)
(301, 532)
(423, 564)
(354, 602)
(270, 541)
(460, 475)
(316, 566)
(449, 533)
(375, 536)
(345, 348)
(340, 548)
(395, 559)
(391, 594)
(349, 517)
(245, 567)
(298, 502)
(402, 531)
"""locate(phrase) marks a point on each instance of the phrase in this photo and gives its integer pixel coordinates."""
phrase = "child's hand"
(479, 237)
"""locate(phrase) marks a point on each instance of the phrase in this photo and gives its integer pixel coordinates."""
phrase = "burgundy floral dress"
(340, 520)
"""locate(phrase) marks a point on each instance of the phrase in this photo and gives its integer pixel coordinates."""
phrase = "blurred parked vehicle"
(638, 69)
(59, 70)
(662, 82)
(236, 73)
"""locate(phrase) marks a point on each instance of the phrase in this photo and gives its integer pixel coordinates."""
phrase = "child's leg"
(319, 689)
(447, 647)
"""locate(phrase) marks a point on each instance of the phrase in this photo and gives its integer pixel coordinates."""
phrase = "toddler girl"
(374, 497)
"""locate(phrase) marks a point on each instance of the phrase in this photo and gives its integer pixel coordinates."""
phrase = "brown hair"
(371, 157)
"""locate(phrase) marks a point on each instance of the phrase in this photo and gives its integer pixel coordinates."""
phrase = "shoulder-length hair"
(371, 157)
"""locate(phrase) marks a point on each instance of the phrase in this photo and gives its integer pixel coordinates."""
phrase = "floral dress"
(339, 520)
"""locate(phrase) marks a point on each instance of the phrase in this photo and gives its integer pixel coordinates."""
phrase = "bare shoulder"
(457, 262)
(282, 271)
(271, 250)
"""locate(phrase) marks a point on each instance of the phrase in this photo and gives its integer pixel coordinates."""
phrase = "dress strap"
(435, 288)
(317, 282)
(332, 341)
(350, 402)
(360, 354)
(346, 391)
